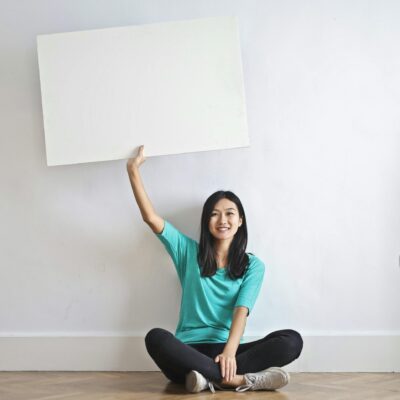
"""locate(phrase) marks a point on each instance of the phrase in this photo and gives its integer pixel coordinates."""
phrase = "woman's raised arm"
(149, 215)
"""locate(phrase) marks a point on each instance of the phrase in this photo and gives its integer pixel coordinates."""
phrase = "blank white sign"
(175, 87)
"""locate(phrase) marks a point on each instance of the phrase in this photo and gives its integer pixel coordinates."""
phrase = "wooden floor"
(154, 385)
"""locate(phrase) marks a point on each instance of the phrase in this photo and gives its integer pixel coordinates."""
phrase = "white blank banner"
(176, 87)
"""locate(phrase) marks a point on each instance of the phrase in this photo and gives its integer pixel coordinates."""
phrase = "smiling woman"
(223, 237)
(220, 284)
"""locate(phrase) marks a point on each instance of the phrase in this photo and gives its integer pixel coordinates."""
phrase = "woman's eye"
(229, 213)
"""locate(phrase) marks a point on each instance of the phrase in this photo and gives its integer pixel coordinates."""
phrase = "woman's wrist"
(132, 169)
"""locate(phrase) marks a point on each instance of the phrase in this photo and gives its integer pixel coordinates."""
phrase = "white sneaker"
(196, 382)
(269, 379)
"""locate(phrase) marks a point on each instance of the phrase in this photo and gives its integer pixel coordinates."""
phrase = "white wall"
(319, 183)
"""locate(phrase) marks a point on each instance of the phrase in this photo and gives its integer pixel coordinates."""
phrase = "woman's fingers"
(232, 370)
(228, 368)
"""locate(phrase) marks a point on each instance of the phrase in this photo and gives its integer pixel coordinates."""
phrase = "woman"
(220, 283)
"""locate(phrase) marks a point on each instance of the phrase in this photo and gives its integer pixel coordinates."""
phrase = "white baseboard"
(326, 353)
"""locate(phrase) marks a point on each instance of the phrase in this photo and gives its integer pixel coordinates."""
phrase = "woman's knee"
(155, 337)
(294, 342)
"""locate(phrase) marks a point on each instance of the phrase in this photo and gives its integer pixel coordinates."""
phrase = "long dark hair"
(237, 257)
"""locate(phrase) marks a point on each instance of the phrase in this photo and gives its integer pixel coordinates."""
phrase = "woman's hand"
(228, 365)
(137, 161)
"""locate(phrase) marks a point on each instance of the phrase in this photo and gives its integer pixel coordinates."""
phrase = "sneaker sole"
(192, 383)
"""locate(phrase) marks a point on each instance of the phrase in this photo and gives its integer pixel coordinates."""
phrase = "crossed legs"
(175, 358)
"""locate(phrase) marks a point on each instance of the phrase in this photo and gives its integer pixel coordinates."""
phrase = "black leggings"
(176, 359)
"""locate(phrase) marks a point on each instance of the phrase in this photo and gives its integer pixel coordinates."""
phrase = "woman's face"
(224, 221)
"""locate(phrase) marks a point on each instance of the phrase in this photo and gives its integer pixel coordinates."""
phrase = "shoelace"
(216, 385)
(242, 388)
(255, 382)
(211, 386)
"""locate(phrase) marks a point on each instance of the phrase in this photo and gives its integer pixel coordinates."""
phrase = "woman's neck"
(221, 250)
